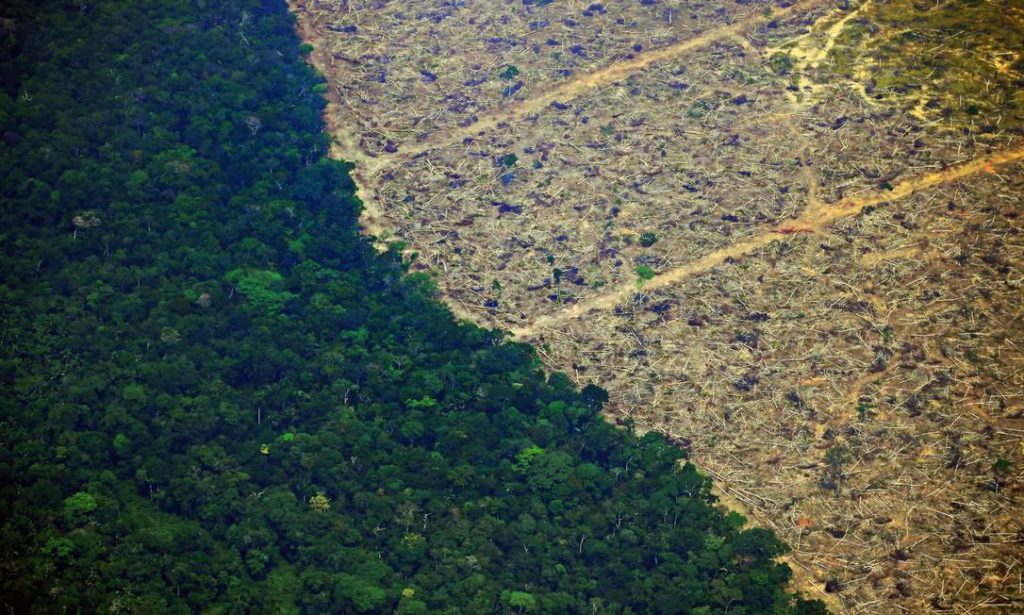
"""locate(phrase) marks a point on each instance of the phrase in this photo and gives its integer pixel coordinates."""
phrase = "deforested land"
(785, 235)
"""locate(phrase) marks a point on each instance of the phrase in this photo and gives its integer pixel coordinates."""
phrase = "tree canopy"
(217, 396)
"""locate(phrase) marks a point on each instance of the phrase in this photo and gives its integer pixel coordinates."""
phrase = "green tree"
(79, 506)
(519, 602)
(643, 274)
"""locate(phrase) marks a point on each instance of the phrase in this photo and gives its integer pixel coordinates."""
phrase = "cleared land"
(786, 235)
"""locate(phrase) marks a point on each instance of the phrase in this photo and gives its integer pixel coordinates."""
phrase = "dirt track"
(814, 220)
(610, 74)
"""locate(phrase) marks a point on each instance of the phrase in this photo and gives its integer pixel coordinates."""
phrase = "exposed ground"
(787, 235)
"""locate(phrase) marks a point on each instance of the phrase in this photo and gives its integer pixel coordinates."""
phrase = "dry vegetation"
(405, 70)
(763, 233)
(576, 189)
(950, 64)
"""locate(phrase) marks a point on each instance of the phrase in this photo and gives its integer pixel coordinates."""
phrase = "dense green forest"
(218, 397)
